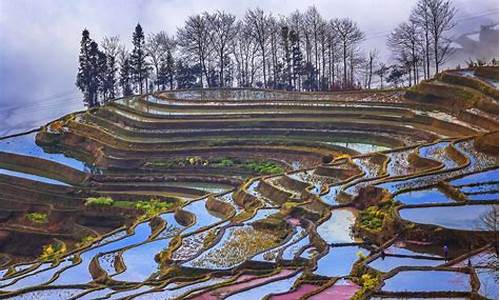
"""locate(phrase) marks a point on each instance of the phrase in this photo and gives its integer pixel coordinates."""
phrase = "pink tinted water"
(299, 292)
(343, 289)
(242, 282)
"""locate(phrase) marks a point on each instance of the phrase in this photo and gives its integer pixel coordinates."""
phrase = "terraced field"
(250, 194)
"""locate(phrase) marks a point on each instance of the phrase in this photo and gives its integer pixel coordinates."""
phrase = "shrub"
(225, 163)
(373, 217)
(264, 168)
(99, 202)
(124, 204)
(368, 283)
(52, 251)
(86, 240)
(37, 217)
(153, 207)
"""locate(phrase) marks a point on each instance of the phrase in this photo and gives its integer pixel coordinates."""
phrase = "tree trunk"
(345, 65)
(436, 59)
(370, 71)
(264, 65)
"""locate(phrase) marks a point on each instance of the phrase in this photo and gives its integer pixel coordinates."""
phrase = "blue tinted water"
(428, 281)
(32, 177)
(467, 217)
(25, 145)
(423, 197)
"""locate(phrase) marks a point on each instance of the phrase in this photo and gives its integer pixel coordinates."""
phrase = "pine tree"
(186, 76)
(125, 73)
(310, 83)
(102, 70)
(83, 78)
(162, 76)
(93, 83)
(170, 69)
(138, 58)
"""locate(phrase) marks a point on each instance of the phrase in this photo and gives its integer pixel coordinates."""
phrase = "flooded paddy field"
(253, 194)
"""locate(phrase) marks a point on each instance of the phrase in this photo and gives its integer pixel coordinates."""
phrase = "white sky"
(39, 39)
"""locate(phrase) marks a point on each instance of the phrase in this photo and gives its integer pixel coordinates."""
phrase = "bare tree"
(349, 36)
(404, 42)
(258, 23)
(381, 71)
(441, 14)
(222, 29)
(420, 16)
(372, 57)
(244, 50)
(157, 46)
(194, 38)
(111, 47)
(314, 23)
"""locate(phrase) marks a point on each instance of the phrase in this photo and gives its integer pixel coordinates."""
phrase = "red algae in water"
(299, 292)
(343, 289)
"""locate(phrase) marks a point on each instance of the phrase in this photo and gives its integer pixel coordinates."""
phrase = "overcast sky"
(39, 39)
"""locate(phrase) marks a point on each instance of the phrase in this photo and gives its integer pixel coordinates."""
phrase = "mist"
(40, 40)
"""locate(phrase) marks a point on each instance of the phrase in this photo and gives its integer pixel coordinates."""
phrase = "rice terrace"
(307, 186)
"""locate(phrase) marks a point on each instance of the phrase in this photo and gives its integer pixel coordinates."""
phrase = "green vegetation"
(153, 207)
(264, 168)
(258, 167)
(86, 240)
(178, 163)
(225, 163)
(37, 217)
(99, 202)
(52, 251)
(361, 255)
(368, 283)
(372, 218)
(124, 204)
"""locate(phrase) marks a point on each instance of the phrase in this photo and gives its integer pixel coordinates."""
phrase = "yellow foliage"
(53, 251)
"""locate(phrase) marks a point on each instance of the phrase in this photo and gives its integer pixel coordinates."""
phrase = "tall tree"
(186, 75)
(349, 36)
(138, 58)
(287, 57)
(441, 14)
(194, 39)
(421, 17)
(258, 24)
(157, 47)
(404, 42)
(125, 72)
(297, 59)
(170, 69)
(86, 70)
(372, 57)
(111, 48)
(314, 23)
(222, 29)
(381, 71)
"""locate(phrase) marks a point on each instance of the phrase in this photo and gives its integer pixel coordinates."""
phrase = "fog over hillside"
(40, 39)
